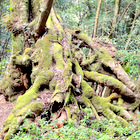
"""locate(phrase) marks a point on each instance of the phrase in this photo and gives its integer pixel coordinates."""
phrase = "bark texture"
(52, 66)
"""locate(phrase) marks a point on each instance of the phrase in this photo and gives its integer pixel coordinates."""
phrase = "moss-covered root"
(111, 111)
(101, 105)
(106, 60)
(113, 96)
(88, 104)
(116, 68)
(24, 102)
(109, 114)
(16, 118)
(112, 83)
(88, 93)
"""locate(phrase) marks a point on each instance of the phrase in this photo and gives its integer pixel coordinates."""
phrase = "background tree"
(132, 30)
(96, 20)
(114, 21)
(5, 39)
(132, 11)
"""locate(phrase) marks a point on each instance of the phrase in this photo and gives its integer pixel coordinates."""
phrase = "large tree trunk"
(48, 62)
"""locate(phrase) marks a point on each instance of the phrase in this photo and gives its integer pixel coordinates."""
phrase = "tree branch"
(44, 16)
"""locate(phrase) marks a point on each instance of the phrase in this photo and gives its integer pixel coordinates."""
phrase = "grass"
(85, 130)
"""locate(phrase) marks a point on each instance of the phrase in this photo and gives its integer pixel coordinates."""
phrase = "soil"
(5, 110)
(6, 107)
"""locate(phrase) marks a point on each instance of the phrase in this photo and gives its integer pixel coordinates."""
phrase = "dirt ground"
(5, 110)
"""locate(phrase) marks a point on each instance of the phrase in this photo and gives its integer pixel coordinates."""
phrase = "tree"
(5, 39)
(132, 30)
(114, 22)
(96, 20)
(131, 15)
(48, 60)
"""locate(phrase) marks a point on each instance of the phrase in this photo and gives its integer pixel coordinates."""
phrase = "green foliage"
(82, 13)
(86, 129)
(5, 38)
(130, 62)
(3, 65)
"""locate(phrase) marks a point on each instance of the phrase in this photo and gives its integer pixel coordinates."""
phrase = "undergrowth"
(86, 129)
(3, 65)
(130, 60)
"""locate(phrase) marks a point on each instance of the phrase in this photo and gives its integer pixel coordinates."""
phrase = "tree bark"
(96, 19)
(54, 67)
(43, 17)
(114, 22)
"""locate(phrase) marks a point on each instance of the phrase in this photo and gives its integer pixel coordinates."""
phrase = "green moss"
(58, 55)
(15, 74)
(12, 129)
(67, 97)
(15, 13)
(35, 57)
(104, 56)
(58, 97)
(52, 85)
(6, 88)
(28, 51)
(57, 25)
(79, 70)
(44, 78)
(34, 107)
(67, 75)
(36, 7)
(90, 60)
(23, 100)
(10, 81)
(111, 115)
(78, 54)
(87, 90)
(57, 90)
(67, 54)
(59, 18)
(49, 23)
(68, 112)
(8, 136)
(46, 54)
(34, 74)
(120, 102)
(102, 105)
(23, 60)
(8, 121)
(18, 44)
(106, 80)
(68, 70)
(86, 101)
(86, 38)
(95, 67)
(12, 122)
(39, 57)
(135, 105)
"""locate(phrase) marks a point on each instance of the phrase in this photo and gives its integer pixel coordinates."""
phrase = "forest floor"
(5, 110)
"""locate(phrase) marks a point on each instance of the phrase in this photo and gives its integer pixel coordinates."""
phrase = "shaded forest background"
(82, 14)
